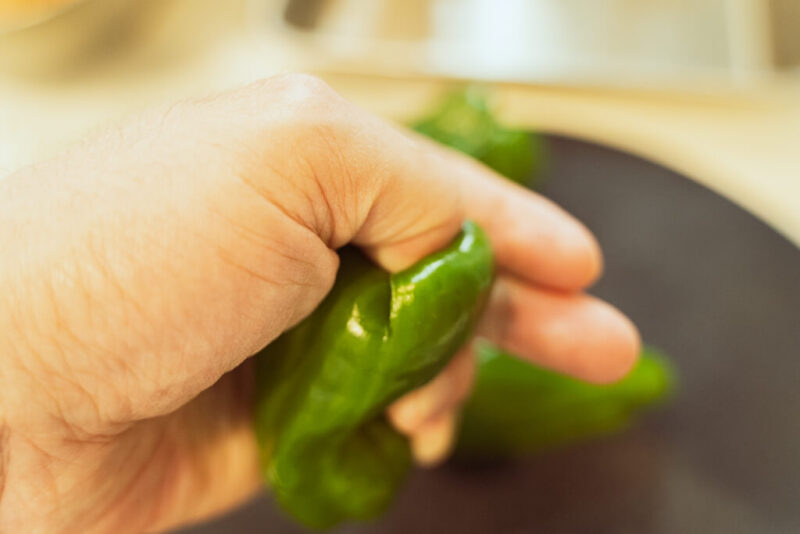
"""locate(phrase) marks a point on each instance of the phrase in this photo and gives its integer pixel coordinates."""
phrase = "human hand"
(142, 267)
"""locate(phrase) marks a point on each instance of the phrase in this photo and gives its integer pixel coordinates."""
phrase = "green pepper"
(464, 121)
(518, 408)
(328, 452)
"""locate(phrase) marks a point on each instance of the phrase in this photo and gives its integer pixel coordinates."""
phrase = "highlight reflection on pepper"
(328, 453)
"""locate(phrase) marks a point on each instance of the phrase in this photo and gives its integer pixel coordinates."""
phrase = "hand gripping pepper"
(516, 407)
(327, 451)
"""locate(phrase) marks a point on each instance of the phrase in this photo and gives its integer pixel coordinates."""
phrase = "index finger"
(532, 237)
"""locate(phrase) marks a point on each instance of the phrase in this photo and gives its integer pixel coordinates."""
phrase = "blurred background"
(672, 127)
(707, 87)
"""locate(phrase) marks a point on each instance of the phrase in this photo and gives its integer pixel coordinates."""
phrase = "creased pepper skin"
(328, 453)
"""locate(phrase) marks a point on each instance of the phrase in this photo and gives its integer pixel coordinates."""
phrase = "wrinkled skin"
(141, 268)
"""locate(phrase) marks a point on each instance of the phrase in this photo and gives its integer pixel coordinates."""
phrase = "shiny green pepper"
(328, 453)
(518, 408)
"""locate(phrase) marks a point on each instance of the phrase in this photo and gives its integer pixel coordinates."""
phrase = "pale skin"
(141, 269)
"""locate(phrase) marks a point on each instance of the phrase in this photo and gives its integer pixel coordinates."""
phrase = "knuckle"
(304, 117)
(297, 93)
(281, 105)
(299, 82)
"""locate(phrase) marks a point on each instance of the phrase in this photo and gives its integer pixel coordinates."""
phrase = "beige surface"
(748, 149)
